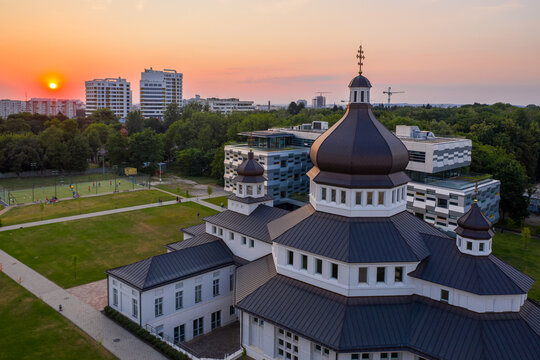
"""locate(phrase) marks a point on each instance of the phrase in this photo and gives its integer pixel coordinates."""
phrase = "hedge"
(144, 335)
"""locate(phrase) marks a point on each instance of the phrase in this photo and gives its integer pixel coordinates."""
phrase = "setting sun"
(52, 85)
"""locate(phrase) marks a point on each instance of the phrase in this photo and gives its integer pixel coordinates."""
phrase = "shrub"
(144, 335)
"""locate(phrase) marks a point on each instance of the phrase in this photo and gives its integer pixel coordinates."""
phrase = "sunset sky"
(451, 51)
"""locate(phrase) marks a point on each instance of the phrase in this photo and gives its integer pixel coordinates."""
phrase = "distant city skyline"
(436, 51)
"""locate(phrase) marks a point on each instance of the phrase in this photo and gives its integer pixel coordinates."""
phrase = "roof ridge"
(498, 263)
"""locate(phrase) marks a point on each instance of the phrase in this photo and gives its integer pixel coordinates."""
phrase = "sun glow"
(52, 85)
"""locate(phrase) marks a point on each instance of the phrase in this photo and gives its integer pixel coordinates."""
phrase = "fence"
(186, 350)
(14, 191)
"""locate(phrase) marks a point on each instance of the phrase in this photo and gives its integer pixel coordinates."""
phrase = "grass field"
(29, 213)
(218, 200)
(510, 248)
(20, 190)
(100, 243)
(176, 189)
(29, 329)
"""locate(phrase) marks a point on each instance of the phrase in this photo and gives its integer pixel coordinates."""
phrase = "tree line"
(506, 139)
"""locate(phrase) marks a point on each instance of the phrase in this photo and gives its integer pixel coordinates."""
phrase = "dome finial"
(360, 56)
(476, 192)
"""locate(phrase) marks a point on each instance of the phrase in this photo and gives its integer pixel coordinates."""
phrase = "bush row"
(144, 335)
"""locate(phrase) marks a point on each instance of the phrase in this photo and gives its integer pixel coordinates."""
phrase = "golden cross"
(476, 192)
(250, 141)
(360, 56)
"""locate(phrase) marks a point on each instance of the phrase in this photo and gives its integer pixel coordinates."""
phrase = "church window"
(244, 240)
(213, 230)
(403, 193)
(179, 296)
(215, 287)
(469, 245)
(158, 307)
(355, 95)
(393, 196)
(220, 232)
(333, 196)
(361, 96)
(381, 274)
(398, 277)
(481, 249)
(249, 190)
(343, 196)
(323, 194)
(394, 355)
(259, 189)
(318, 348)
(304, 262)
(445, 295)
(334, 273)
(370, 198)
(381, 197)
(358, 198)
(318, 266)
(362, 275)
(231, 236)
(240, 188)
(366, 356)
(115, 297)
(459, 241)
(134, 308)
(290, 257)
(198, 294)
(251, 243)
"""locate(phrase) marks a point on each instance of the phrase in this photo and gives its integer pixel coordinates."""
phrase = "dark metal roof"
(250, 199)
(414, 323)
(195, 230)
(482, 275)
(170, 267)
(355, 240)
(250, 171)
(360, 81)
(253, 225)
(192, 241)
(252, 276)
(474, 224)
(359, 146)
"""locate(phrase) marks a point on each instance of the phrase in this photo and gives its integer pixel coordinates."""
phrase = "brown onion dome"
(360, 81)
(250, 171)
(474, 225)
(358, 151)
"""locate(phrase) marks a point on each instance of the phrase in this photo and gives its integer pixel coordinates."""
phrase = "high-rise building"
(158, 90)
(110, 93)
(319, 102)
(9, 107)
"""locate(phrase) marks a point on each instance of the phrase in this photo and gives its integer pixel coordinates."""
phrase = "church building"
(351, 275)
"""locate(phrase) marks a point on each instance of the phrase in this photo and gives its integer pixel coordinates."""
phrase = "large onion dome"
(250, 171)
(474, 225)
(358, 151)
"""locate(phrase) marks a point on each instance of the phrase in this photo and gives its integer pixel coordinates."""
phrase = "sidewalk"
(113, 337)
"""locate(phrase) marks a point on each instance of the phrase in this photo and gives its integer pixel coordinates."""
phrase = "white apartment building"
(158, 90)
(111, 93)
(10, 107)
(226, 106)
(51, 106)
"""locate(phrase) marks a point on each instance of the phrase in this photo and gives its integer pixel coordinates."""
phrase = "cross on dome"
(360, 56)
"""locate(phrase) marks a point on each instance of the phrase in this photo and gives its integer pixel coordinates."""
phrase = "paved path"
(91, 321)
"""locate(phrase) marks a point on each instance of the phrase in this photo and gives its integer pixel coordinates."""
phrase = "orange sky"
(437, 51)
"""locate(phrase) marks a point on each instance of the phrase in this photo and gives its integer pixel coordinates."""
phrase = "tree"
(97, 135)
(25, 152)
(209, 190)
(154, 124)
(134, 122)
(513, 184)
(78, 153)
(191, 161)
(293, 108)
(117, 148)
(217, 166)
(171, 115)
(14, 125)
(104, 116)
(145, 147)
(525, 236)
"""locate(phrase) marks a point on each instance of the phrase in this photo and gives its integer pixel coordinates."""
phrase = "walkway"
(113, 337)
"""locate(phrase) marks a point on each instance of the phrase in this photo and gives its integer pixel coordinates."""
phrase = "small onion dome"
(250, 171)
(360, 81)
(359, 152)
(474, 225)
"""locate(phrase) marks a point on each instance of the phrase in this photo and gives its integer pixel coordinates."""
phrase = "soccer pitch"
(66, 189)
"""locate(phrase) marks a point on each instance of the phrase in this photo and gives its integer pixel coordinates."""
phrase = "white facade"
(110, 93)
(225, 106)
(51, 106)
(159, 311)
(10, 107)
(158, 90)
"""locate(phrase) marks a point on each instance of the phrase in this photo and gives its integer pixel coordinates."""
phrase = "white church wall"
(241, 245)
(124, 298)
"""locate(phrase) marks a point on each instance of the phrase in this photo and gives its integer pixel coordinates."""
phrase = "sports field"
(28, 190)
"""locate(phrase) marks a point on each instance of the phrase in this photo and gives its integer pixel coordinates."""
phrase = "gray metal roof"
(360, 81)
(252, 276)
(355, 240)
(162, 269)
(426, 327)
(195, 230)
(482, 275)
(250, 199)
(192, 241)
(253, 225)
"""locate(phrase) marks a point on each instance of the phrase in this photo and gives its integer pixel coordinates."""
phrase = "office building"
(442, 189)
(225, 106)
(52, 107)
(158, 90)
(110, 93)
(319, 102)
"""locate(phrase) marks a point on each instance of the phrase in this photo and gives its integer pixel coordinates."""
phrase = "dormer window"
(381, 274)
(469, 245)
(249, 190)
(445, 295)
(334, 273)
(381, 197)
(362, 275)
(358, 198)
(361, 96)
(333, 196)
(370, 198)
(343, 197)
(481, 248)
(323, 193)
(398, 277)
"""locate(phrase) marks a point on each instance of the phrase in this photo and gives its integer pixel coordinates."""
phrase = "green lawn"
(218, 200)
(30, 329)
(29, 213)
(100, 243)
(510, 248)
(178, 189)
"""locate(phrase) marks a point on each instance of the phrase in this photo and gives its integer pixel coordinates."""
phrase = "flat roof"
(436, 140)
(456, 183)
(265, 134)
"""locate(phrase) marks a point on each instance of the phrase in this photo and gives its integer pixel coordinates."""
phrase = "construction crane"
(390, 93)
(320, 101)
